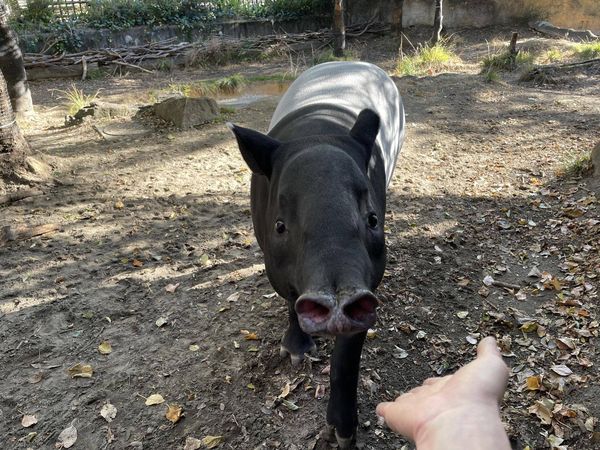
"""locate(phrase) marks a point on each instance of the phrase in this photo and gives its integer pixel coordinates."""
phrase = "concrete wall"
(580, 14)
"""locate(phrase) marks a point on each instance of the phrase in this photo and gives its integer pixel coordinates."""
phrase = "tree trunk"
(339, 28)
(12, 65)
(437, 23)
(14, 149)
(396, 18)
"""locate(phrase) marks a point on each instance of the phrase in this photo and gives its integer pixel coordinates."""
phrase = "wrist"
(468, 426)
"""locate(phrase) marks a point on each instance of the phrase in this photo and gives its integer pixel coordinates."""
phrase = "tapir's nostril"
(362, 308)
(313, 309)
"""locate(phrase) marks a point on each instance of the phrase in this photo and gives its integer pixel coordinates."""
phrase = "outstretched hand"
(456, 411)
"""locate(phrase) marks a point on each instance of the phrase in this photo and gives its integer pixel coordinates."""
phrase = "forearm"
(459, 430)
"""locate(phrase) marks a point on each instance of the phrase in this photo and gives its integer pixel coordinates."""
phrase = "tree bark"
(14, 149)
(12, 65)
(396, 18)
(437, 23)
(339, 28)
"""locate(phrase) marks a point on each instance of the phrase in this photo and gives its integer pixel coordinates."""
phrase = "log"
(22, 232)
(566, 33)
(19, 195)
(546, 72)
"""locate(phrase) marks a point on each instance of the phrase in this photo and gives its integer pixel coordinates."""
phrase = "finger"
(397, 417)
(488, 347)
(401, 397)
(430, 381)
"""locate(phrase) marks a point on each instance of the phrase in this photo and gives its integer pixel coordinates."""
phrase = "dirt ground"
(155, 230)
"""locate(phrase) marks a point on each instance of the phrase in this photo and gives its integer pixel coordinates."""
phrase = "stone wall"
(580, 14)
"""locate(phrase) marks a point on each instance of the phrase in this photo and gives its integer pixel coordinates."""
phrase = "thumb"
(488, 347)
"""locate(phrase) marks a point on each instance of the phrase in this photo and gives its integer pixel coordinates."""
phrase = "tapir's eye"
(372, 220)
(279, 226)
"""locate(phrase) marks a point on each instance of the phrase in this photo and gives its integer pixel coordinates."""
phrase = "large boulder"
(186, 112)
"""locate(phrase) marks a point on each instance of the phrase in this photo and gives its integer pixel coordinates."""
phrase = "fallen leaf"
(108, 411)
(192, 443)
(154, 399)
(561, 370)
(529, 327)
(274, 294)
(170, 288)
(233, 297)
(483, 291)
(320, 391)
(35, 378)
(462, 314)
(28, 421)
(471, 339)
(488, 280)
(105, 348)
(250, 386)
(119, 204)
(137, 263)
(371, 333)
(212, 441)
(285, 391)
(205, 260)
(534, 383)
(463, 282)
(160, 321)
(534, 272)
(224, 308)
(194, 347)
(543, 409)
(173, 413)
(253, 349)
(290, 405)
(251, 337)
(67, 437)
(81, 371)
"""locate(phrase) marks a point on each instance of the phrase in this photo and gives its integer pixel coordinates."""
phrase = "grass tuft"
(587, 50)
(328, 56)
(427, 60)
(507, 61)
(576, 166)
(492, 76)
(76, 99)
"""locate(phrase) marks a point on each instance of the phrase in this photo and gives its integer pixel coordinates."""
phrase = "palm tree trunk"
(437, 23)
(339, 28)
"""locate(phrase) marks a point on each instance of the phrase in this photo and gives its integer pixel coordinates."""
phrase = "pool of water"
(253, 93)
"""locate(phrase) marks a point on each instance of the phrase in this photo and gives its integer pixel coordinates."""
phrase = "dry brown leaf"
(171, 288)
(35, 378)
(543, 409)
(529, 327)
(212, 441)
(251, 337)
(194, 347)
(534, 383)
(108, 411)
(285, 391)
(28, 421)
(173, 413)
(137, 263)
(81, 371)
(119, 204)
(105, 348)
(67, 437)
(154, 399)
(191, 443)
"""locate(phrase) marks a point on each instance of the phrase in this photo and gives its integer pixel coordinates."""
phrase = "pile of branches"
(134, 56)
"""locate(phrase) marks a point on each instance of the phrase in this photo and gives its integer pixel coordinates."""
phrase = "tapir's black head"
(319, 222)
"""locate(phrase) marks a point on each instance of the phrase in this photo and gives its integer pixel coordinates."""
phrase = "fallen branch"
(134, 66)
(546, 71)
(566, 33)
(22, 232)
(19, 195)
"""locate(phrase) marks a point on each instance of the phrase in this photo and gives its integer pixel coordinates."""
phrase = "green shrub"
(588, 50)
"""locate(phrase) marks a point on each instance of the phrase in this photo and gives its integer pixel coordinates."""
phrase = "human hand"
(457, 408)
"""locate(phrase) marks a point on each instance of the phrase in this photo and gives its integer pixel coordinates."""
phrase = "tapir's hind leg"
(296, 342)
(342, 407)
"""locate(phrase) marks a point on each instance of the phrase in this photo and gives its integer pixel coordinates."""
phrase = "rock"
(100, 110)
(187, 112)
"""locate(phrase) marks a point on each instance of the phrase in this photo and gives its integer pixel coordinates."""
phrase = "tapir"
(318, 194)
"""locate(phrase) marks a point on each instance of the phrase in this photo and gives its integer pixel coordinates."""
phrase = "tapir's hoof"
(296, 358)
(330, 435)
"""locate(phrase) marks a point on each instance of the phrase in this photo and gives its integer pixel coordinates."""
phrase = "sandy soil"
(475, 194)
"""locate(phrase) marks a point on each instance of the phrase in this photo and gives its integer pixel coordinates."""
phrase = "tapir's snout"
(349, 314)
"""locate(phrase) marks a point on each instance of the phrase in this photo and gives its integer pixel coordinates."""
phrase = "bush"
(507, 61)
(588, 50)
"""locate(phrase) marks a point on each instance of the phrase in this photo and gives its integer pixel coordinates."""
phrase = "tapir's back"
(353, 86)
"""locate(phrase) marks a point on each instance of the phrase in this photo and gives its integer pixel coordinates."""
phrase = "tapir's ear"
(257, 148)
(366, 128)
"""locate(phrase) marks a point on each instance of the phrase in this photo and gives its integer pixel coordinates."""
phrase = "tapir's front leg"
(342, 413)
